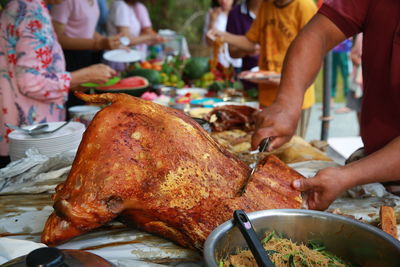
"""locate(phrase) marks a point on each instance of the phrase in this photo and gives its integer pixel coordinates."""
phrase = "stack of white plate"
(49, 144)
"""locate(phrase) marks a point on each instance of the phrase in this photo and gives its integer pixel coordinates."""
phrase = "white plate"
(121, 55)
(253, 104)
(69, 129)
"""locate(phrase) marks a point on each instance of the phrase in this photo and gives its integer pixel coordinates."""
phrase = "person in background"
(75, 24)
(340, 59)
(354, 98)
(131, 19)
(101, 26)
(336, 21)
(240, 19)
(217, 18)
(277, 24)
(33, 81)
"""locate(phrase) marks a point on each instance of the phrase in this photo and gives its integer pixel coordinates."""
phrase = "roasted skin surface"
(155, 168)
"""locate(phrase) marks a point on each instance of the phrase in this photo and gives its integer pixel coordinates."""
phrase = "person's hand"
(109, 43)
(355, 57)
(324, 188)
(212, 34)
(278, 121)
(99, 73)
(152, 39)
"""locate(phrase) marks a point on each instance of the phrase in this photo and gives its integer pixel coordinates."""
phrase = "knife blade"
(262, 147)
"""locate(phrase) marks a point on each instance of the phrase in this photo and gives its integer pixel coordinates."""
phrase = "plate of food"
(259, 75)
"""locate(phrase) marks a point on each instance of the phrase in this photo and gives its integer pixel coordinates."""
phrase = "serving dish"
(258, 75)
(347, 238)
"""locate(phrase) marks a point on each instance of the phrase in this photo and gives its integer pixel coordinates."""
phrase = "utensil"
(30, 130)
(349, 239)
(43, 131)
(47, 256)
(256, 248)
(263, 146)
(203, 123)
(52, 131)
(124, 40)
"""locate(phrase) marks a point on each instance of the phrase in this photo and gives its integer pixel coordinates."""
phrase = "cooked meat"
(232, 117)
(155, 168)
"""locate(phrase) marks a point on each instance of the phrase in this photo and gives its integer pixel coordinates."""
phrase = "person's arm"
(301, 65)
(356, 51)
(98, 42)
(239, 41)
(329, 183)
(141, 39)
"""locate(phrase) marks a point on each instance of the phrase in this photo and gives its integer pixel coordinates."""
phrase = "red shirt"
(379, 20)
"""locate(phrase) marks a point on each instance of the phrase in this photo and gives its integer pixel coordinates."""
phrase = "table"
(23, 215)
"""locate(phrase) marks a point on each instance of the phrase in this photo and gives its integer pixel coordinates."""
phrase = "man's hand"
(277, 121)
(324, 188)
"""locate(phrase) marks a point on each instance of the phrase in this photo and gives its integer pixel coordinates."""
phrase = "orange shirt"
(274, 29)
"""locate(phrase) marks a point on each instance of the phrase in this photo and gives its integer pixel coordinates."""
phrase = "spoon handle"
(256, 248)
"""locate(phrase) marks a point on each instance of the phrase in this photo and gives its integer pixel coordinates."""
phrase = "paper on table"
(14, 248)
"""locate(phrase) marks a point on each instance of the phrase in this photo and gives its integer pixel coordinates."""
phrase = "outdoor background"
(186, 17)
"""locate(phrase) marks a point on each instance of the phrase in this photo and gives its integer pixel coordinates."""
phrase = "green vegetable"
(271, 252)
(221, 264)
(196, 67)
(316, 245)
(268, 238)
(217, 86)
(152, 76)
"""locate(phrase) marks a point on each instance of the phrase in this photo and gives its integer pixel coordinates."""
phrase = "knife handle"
(264, 144)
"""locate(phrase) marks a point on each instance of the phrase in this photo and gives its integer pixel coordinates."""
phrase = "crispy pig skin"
(155, 168)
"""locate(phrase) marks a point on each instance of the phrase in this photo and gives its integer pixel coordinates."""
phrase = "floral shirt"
(33, 81)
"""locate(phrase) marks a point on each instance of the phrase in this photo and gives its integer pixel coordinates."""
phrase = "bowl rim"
(217, 233)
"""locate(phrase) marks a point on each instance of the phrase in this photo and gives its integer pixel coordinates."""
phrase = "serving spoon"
(37, 129)
(30, 130)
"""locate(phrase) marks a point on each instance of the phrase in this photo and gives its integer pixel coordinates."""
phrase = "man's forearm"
(381, 166)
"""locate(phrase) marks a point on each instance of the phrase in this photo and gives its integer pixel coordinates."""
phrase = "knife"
(263, 146)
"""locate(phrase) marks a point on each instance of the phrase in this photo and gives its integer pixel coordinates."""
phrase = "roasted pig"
(156, 169)
(231, 117)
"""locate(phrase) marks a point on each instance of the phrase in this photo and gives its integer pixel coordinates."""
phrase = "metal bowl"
(349, 239)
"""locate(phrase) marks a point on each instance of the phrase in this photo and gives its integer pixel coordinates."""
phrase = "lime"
(173, 78)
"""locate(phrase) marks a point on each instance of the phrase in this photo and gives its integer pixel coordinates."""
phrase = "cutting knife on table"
(263, 146)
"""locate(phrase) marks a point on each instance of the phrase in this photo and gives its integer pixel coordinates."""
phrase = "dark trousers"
(75, 60)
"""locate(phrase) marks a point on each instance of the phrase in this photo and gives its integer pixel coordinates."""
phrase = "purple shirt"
(344, 46)
(239, 21)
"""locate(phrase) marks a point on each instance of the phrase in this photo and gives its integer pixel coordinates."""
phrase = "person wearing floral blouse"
(33, 82)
